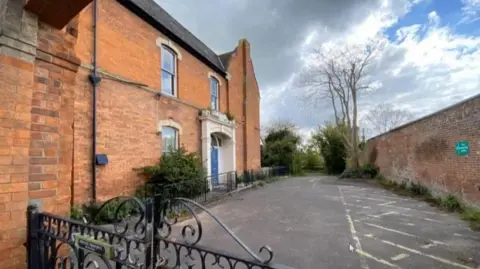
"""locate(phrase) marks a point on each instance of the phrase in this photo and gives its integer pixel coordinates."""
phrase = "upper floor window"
(214, 93)
(169, 71)
(169, 139)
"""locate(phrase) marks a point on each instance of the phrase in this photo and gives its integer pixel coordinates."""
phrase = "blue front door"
(214, 165)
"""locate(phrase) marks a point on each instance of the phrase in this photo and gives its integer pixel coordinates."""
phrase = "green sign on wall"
(462, 148)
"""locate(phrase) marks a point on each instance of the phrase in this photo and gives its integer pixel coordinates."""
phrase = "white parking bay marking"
(383, 214)
(402, 233)
(399, 257)
(388, 203)
(353, 232)
(442, 260)
(379, 260)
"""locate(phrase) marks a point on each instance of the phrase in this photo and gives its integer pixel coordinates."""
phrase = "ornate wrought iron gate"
(138, 235)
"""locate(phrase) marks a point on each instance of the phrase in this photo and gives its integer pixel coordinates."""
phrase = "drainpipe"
(94, 79)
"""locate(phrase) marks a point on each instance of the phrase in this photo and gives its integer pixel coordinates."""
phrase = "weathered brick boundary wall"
(424, 151)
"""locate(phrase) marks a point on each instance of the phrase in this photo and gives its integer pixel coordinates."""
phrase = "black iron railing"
(146, 233)
(262, 174)
(210, 188)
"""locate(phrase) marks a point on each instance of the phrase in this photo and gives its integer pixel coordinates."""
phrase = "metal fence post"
(206, 190)
(32, 244)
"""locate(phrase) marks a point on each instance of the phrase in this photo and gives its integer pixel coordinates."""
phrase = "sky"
(430, 58)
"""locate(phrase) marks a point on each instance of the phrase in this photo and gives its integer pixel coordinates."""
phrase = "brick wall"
(46, 111)
(128, 48)
(235, 101)
(243, 86)
(16, 82)
(128, 115)
(127, 126)
(52, 115)
(424, 151)
(37, 80)
(252, 113)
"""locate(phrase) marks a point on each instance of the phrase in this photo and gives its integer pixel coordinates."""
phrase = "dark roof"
(156, 16)
(225, 58)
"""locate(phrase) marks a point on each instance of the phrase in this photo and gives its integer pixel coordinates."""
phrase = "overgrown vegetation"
(281, 146)
(450, 202)
(112, 211)
(367, 171)
(332, 144)
(311, 159)
(178, 166)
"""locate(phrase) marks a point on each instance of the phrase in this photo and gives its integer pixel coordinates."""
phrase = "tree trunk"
(332, 97)
(355, 161)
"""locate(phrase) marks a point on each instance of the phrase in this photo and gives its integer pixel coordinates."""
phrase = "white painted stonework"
(216, 124)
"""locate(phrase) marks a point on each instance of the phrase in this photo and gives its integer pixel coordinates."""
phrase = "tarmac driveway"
(310, 223)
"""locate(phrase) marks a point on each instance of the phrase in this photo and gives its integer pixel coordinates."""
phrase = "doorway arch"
(218, 149)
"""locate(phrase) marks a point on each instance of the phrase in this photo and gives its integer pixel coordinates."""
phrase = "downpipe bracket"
(95, 80)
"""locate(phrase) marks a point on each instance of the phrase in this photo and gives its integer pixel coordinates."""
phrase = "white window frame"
(176, 134)
(217, 96)
(175, 70)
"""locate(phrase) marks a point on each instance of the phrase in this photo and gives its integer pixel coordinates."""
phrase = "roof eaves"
(151, 13)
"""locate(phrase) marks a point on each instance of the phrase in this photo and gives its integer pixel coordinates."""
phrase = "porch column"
(206, 144)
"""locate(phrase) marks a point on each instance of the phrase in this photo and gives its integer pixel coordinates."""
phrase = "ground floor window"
(169, 139)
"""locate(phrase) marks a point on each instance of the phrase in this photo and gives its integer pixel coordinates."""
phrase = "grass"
(450, 202)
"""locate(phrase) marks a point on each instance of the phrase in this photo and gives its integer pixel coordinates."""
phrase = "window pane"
(214, 93)
(168, 60)
(214, 86)
(213, 103)
(169, 139)
(167, 83)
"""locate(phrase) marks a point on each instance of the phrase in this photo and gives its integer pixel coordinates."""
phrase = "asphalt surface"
(318, 222)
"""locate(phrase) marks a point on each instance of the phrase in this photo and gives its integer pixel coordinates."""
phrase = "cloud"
(470, 10)
(433, 18)
(423, 67)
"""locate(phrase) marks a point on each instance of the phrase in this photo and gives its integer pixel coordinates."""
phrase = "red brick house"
(157, 86)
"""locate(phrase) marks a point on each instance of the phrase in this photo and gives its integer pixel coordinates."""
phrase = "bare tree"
(339, 74)
(385, 117)
(318, 88)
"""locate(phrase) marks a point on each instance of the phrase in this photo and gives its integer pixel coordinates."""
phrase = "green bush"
(177, 174)
(76, 212)
(367, 171)
(380, 177)
(370, 169)
(473, 216)
(280, 147)
(239, 179)
(297, 166)
(312, 160)
(108, 212)
(351, 173)
(451, 203)
(419, 189)
(331, 140)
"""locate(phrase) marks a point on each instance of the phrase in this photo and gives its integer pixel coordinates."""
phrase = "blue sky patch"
(449, 11)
